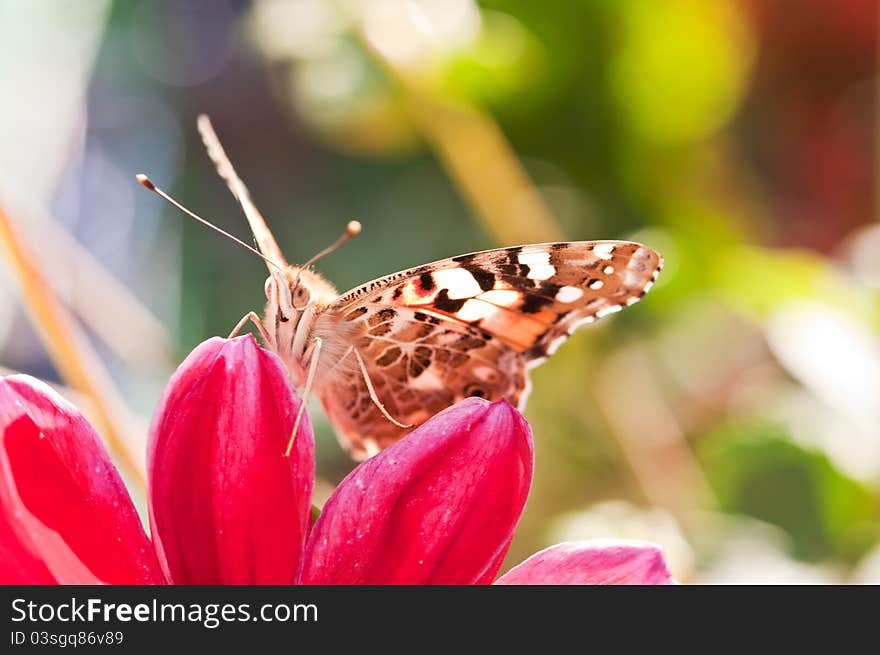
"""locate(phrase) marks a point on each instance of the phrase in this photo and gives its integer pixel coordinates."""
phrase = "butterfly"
(387, 355)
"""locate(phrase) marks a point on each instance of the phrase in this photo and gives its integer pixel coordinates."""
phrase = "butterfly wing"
(469, 325)
(418, 364)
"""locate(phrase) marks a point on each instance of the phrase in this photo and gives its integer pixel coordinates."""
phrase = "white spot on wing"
(608, 270)
(596, 284)
(475, 310)
(541, 272)
(608, 310)
(603, 250)
(586, 320)
(503, 297)
(568, 294)
(541, 258)
(427, 381)
(486, 374)
(539, 264)
(458, 282)
(632, 278)
(553, 346)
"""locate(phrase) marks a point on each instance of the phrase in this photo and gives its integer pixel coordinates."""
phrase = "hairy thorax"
(296, 315)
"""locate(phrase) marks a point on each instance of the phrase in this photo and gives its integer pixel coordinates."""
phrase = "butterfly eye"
(301, 296)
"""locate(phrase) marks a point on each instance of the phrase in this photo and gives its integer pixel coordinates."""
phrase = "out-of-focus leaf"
(681, 67)
(760, 280)
(755, 470)
(501, 65)
(345, 96)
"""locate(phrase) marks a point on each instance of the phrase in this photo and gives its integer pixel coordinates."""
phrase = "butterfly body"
(427, 337)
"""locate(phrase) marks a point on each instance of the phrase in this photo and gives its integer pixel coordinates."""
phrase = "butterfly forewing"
(470, 325)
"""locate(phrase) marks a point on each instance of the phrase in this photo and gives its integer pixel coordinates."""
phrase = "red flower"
(66, 516)
(225, 506)
(439, 507)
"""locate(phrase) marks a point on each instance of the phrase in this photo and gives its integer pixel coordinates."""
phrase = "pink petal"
(438, 507)
(19, 564)
(65, 515)
(599, 561)
(226, 506)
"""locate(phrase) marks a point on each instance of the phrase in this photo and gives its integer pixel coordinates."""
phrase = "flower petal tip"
(599, 561)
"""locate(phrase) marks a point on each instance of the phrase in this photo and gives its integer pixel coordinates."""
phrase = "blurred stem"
(650, 435)
(71, 353)
(479, 159)
(103, 303)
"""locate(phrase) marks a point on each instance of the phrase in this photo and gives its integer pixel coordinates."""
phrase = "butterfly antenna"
(351, 230)
(145, 181)
(265, 240)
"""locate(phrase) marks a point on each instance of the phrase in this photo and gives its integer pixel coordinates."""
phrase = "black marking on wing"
(486, 279)
(445, 304)
(389, 356)
(356, 313)
(420, 361)
(426, 281)
(535, 302)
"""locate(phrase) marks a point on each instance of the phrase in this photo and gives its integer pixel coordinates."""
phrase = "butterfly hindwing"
(419, 363)
(472, 325)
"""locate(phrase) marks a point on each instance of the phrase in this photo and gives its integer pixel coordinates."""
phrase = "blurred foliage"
(756, 470)
(737, 137)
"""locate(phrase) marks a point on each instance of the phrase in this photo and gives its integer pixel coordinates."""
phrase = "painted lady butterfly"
(388, 355)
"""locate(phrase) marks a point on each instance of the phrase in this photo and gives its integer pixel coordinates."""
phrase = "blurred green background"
(732, 416)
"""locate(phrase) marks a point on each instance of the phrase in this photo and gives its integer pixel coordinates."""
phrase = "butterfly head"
(293, 291)
(294, 296)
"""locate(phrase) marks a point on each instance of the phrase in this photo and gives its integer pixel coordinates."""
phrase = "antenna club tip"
(144, 181)
(353, 228)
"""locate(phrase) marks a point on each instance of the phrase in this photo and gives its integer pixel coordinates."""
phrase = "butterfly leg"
(313, 352)
(373, 395)
(253, 318)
